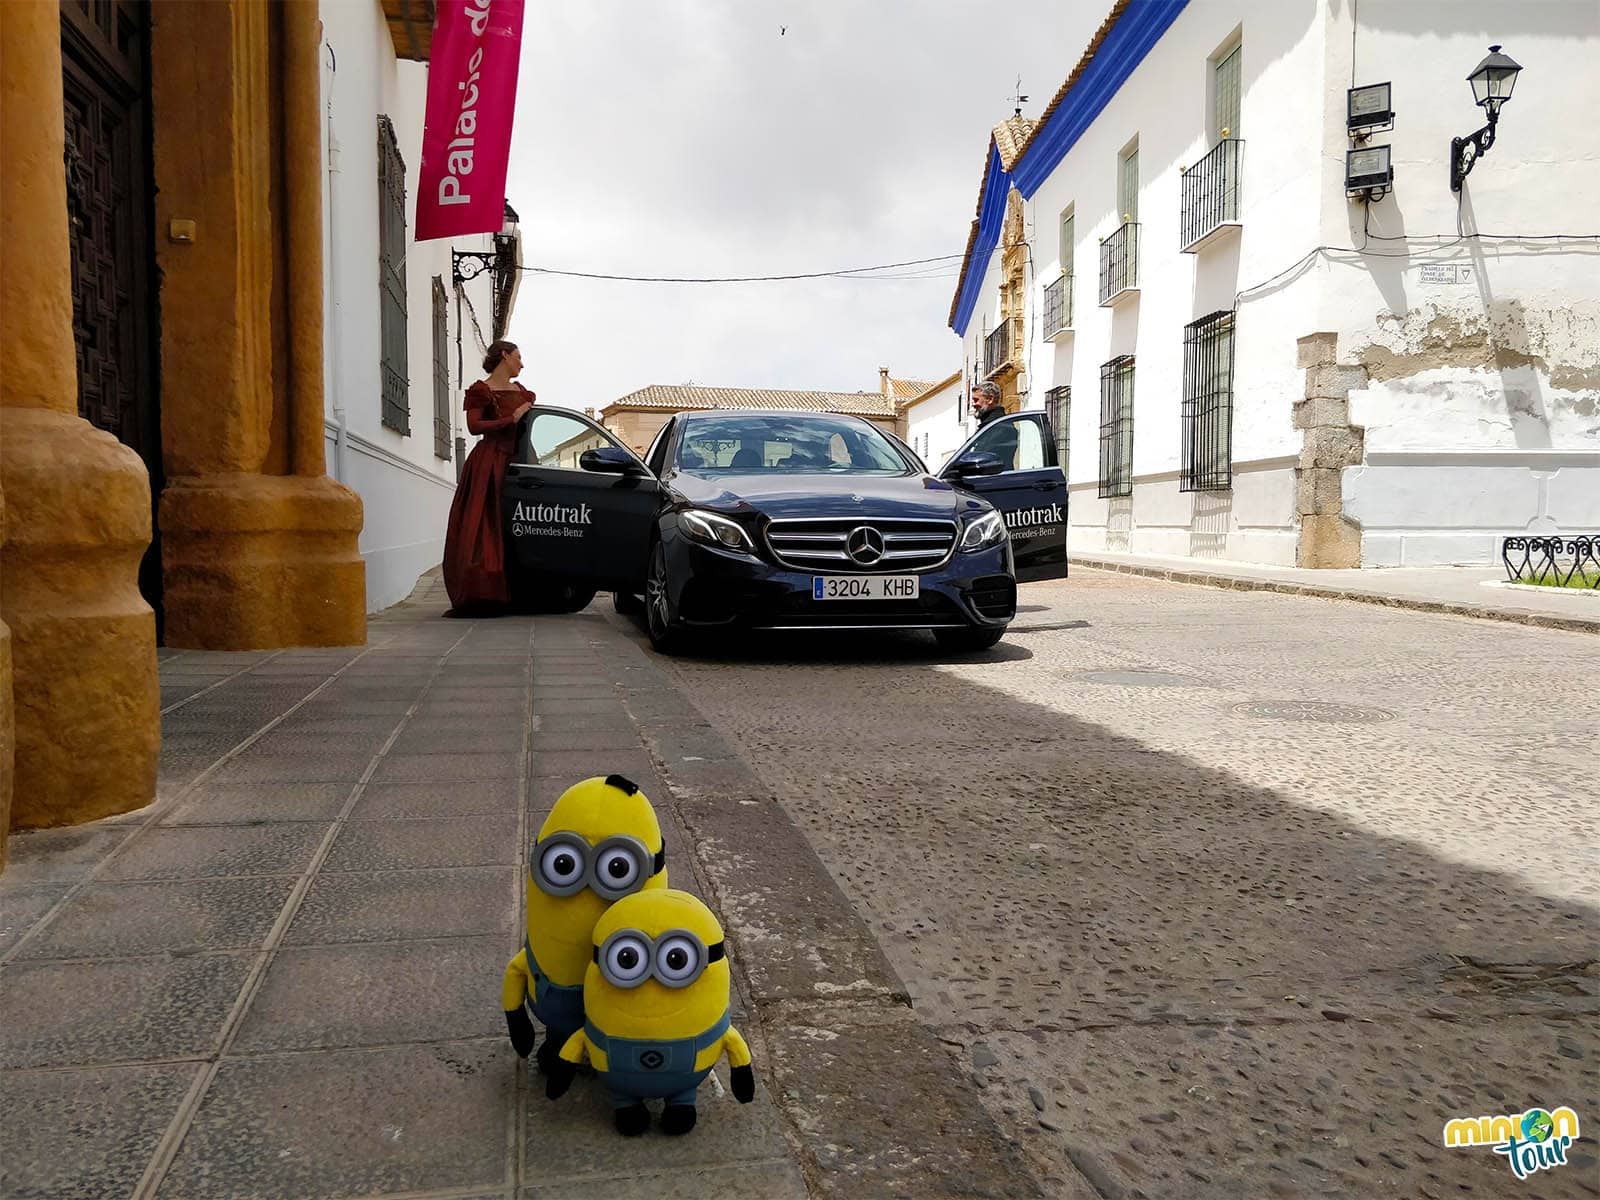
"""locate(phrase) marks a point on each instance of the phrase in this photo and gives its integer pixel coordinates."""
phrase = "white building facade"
(393, 319)
(937, 421)
(1250, 363)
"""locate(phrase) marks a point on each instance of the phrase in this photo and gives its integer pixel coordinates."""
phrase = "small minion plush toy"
(600, 843)
(656, 1007)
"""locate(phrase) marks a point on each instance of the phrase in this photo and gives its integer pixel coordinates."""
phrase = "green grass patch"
(1579, 579)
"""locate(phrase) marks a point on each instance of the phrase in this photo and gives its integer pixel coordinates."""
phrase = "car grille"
(909, 543)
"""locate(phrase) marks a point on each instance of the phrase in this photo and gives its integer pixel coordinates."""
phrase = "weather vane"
(1019, 99)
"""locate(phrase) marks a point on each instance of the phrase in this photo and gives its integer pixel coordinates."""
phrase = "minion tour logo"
(550, 520)
(1536, 1139)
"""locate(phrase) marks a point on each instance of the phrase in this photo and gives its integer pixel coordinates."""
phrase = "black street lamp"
(1492, 81)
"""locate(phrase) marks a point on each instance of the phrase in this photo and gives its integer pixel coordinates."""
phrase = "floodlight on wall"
(1368, 172)
(1492, 81)
(1367, 109)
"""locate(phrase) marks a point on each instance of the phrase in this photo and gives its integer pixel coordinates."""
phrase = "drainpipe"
(336, 392)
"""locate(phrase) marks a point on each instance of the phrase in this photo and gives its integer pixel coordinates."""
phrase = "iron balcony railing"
(1119, 263)
(1058, 307)
(999, 347)
(1210, 194)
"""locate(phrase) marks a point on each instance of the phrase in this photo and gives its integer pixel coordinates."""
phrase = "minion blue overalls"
(559, 1008)
(637, 1070)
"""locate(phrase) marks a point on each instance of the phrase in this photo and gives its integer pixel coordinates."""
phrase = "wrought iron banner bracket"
(1465, 152)
(469, 264)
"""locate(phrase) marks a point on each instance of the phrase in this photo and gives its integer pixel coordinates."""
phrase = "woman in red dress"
(474, 550)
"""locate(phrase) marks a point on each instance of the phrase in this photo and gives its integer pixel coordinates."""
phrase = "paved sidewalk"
(282, 979)
(1460, 591)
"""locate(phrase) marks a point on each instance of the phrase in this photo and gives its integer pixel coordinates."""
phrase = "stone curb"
(1243, 583)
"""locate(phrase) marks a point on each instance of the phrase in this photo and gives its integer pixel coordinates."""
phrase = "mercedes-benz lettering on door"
(776, 520)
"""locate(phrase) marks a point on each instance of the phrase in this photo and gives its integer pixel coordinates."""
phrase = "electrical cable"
(477, 330)
(841, 273)
(1349, 254)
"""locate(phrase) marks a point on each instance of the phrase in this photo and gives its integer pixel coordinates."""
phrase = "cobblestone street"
(1177, 892)
(1217, 893)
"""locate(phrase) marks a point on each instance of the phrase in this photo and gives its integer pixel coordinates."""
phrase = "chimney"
(883, 381)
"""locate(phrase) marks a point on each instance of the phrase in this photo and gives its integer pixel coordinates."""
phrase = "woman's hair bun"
(497, 351)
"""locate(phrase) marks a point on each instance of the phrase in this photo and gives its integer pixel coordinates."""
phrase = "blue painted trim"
(991, 218)
(1130, 39)
(1119, 55)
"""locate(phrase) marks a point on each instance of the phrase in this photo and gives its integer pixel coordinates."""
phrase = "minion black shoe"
(632, 1120)
(677, 1119)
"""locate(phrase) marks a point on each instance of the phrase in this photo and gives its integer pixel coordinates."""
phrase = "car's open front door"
(577, 505)
(1030, 490)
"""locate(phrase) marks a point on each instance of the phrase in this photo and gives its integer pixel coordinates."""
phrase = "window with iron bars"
(1208, 404)
(1058, 408)
(1116, 427)
(441, 371)
(393, 364)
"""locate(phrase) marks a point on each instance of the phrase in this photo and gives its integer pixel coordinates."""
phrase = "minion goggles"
(675, 959)
(563, 864)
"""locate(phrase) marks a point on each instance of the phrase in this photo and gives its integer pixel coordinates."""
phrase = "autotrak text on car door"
(550, 520)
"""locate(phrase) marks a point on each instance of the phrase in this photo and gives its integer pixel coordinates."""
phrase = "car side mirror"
(974, 462)
(609, 460)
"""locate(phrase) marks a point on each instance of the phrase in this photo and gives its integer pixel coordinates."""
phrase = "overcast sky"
(691, 137)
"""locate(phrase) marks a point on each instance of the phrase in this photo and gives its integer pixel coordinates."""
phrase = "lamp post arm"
(1466, 151)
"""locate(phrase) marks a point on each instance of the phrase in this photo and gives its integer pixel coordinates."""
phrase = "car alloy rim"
(656, 589)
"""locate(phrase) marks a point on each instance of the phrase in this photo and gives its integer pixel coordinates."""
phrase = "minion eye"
(561, 864)
(627, 961)
(678, 961)
(617, 869)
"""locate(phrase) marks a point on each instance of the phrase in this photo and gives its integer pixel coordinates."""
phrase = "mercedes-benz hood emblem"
(864, 545)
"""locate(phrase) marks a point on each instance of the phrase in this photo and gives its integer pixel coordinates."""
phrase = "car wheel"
(626, 603)
(665, 636)
(969, 640)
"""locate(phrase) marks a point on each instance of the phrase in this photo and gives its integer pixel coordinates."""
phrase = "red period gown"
(474, 550)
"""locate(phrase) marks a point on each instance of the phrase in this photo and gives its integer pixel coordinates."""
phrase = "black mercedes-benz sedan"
(786, 520)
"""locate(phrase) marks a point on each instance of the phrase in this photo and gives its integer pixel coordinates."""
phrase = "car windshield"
(776, 442)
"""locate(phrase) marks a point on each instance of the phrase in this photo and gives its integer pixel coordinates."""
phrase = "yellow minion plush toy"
(656, 1011)
(601, 842)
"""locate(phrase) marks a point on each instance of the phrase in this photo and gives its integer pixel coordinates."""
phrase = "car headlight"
(988, 530)
(714, 530)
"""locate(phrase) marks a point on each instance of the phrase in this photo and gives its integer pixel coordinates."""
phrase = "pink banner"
(472, 96)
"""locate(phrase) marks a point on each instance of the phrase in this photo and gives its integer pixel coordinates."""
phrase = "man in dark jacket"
(986, 403)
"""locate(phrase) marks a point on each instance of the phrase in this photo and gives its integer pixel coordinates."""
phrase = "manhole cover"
(1140, 678)
(1311, 710)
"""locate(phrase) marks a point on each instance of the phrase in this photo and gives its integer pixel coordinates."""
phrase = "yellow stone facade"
(1013, 379)
(258, 545)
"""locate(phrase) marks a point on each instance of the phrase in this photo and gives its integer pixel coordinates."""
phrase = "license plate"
(864, 587)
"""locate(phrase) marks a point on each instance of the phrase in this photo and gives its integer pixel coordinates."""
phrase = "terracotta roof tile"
(678, 398)
(1009, 138)
(905, 389)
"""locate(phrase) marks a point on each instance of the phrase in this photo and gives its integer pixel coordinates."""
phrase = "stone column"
(86, 702)
(7, 725)
(1329, 444)
(258, 544)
